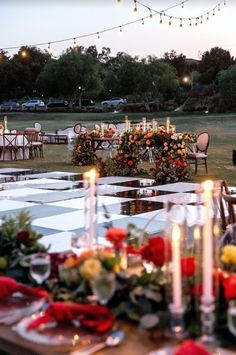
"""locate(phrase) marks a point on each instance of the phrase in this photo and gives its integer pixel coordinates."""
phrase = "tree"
(164, 82)
(71, 76)
(212, 63)
(178, 61)
(22, 71)
(4, 68)
(227, 88)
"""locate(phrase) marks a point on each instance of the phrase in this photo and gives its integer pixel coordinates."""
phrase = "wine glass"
(40, 267)
(104, 286)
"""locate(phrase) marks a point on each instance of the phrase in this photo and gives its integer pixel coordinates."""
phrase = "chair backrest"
(38, 127)
(203, 142)
(231, 202)
(112, 126)
(31, 136)
(9, 141)
(223, 188)
(77, 128)
(97, 126)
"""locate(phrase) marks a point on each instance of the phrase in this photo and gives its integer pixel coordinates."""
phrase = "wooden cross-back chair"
(9, 146)
(226, 205)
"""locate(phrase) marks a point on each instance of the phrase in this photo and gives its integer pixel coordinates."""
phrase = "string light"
(152, 13)
(181, 23)
(182, 5)
(120, 29)
(24, 53)
(218, 7)
(75, 42)
(161, 19)
(201, 20)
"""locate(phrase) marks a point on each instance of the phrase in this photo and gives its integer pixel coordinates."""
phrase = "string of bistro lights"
(196, 20)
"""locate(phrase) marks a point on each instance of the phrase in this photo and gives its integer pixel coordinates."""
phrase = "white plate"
(55, 334)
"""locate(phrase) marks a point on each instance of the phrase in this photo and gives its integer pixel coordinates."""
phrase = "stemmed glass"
(103, 287)
(40, 267)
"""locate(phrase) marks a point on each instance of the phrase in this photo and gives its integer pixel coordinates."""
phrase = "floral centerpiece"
(169, 150)
(17, 240)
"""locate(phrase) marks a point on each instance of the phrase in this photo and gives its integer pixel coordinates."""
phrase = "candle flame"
(90, 175)
(175, 233)
(208, 185)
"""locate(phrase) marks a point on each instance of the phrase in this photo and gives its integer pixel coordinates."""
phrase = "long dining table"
(137, 341)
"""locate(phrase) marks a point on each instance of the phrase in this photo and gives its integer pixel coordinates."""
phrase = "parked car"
(58, 103)
(33, 105)
(10, 106)
(84, 103)
(114, 102)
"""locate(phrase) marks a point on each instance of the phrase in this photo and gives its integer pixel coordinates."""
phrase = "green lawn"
(222, 129)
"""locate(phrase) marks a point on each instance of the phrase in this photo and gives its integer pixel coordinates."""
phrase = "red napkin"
(190, 347)
(8, 286)
(94, 317)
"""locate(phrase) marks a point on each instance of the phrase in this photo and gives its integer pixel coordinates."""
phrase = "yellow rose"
(166, 148)
(90, 269)
(229, 254)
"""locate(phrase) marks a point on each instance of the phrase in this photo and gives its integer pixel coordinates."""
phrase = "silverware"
(114, 339)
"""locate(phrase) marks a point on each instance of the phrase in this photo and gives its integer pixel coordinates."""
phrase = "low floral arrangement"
(17, 240)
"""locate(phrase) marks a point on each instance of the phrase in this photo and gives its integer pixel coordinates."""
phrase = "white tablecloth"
(20, 141)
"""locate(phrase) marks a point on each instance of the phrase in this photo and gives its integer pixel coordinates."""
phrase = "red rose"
(23, 237)
(130, 162)
(230, 286)
(187, 266)
(116, 236)
(154, 251)
(190, 347)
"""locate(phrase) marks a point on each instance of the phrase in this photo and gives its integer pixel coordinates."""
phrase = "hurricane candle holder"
(176, 233)
(90, 209)
(210, 259)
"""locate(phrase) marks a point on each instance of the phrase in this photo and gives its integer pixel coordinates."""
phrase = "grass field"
(221, 127)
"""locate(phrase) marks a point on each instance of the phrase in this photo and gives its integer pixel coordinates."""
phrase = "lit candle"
(167, 124)
(154, 125)
(5, 123)
(176, 280)
(129, 125)
(144, 124)
(207, 242)
(90, 178)
(126, 123)
(102, 129)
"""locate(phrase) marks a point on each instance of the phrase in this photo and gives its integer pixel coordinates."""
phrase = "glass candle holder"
(90, 209)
